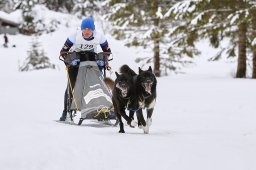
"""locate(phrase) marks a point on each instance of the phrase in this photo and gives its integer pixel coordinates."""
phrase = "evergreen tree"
(28, 26)
(59, 5)
(86, 8)
(7, 5)
(217, 20)
(36, 58)
(80, 7)
(141, 23)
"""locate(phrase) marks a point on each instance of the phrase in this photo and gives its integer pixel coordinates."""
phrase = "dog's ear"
(117, 75)
(150, 69)
(140, 70)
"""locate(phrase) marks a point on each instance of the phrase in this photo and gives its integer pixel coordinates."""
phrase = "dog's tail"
(125, 69)
(109, 82)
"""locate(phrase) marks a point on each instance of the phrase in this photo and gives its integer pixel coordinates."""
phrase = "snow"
(233, 18)
(181, 7)
(254, 42)
(204, 119)
(159, 13)
(197, 19)
(14, 17)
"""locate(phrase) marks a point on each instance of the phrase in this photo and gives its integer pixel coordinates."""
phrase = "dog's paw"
(145, 129)
(132, 126)
(149, 121)
(140, 127)
(133, 123)
(121, 131)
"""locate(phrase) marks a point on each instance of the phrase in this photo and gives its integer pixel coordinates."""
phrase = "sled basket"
(90, 93)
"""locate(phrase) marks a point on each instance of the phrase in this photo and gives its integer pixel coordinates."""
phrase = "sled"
(90, 97)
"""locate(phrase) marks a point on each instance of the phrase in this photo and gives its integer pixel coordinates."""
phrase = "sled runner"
(89, 95)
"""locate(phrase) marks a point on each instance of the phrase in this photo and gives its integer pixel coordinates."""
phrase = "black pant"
(72, 73)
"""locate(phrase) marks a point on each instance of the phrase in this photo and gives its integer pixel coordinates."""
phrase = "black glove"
(64, 56)
(64, 52)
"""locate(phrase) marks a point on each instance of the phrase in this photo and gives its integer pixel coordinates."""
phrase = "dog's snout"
(123, 85)
(149, 81)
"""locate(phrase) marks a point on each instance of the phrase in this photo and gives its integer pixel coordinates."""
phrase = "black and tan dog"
(122, 90)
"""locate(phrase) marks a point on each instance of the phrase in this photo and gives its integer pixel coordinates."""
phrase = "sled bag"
(90, 92)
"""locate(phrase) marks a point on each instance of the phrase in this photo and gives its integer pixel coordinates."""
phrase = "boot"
(63, 116)
(64, 113)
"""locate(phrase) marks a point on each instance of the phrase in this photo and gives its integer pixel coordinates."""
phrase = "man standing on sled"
(85, 39)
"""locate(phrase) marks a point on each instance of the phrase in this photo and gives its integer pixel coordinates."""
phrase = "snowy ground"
(203, 120)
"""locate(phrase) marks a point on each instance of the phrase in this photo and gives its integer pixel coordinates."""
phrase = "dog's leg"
(118, 115)
(140, 117)
(139, 123)
(130, 121)
(119, 118)
(131, 116)
(144, 126)
(149, 115)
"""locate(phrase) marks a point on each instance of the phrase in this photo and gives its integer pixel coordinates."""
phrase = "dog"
(144, 95)
(122, 90)
(109, 82)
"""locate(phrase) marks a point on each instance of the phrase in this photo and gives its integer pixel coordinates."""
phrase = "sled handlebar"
(71, 52)
(61, 58)
(86, 52)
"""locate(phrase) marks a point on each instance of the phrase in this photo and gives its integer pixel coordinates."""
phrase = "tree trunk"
(253, 13)
(241, 65)
(156, 39)
(157, 57)
(254, 64)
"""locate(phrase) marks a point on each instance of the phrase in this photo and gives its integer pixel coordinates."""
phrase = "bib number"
(86, 46)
